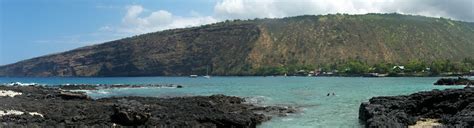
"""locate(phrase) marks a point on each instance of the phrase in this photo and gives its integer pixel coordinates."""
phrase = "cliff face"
(239, 47)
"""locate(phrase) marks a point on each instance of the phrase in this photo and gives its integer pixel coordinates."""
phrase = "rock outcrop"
(130, 113)
(453, 107)
(452, 81)
(77, 111)
(72, 95)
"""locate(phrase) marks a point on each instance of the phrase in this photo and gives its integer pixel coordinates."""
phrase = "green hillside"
(245, 47)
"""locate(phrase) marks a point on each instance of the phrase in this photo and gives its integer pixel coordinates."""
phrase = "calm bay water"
(308, 93)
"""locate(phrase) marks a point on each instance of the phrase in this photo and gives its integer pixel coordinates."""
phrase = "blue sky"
(31, 28)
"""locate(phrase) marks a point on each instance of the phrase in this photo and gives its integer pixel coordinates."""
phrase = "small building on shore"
(399, 67)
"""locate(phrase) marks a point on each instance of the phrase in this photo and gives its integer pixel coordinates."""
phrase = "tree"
(271, 70)
(469, 63)
(415, 66)
(382, 68)
(328, 67)
(438, 66)
(281, 70)
(355, 67)
(459, 67)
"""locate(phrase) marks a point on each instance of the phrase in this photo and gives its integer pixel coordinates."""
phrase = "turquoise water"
(307, 93)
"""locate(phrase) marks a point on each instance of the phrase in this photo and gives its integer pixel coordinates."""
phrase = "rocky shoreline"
(97, 86)
(453, 81)
(450, 108)
(111, 86)
(37, 106)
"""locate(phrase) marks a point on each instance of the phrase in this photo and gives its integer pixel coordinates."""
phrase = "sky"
(32, 28)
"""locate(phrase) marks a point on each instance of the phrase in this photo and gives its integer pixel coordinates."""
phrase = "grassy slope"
(239, 47)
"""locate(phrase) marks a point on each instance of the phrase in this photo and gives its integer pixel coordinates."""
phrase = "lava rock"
(452, 81)
(110, 86)
(130, 113)
(73, 95)
(69, 109)
(454, 107)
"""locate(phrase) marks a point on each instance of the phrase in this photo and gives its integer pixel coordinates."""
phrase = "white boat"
(193, 76)
(207, 73)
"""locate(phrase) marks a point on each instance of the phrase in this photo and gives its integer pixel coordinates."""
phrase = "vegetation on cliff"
(269, 46)
(357, 67)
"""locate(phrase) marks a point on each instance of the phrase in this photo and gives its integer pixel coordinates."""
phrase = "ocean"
(309, 94)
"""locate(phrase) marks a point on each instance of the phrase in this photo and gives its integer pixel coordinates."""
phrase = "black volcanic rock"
(110, 86)
(197, 111)
(454, 107)
(452, 81)
(73, 95)
(130, 113)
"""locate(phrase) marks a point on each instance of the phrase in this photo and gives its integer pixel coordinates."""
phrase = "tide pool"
(307, 93)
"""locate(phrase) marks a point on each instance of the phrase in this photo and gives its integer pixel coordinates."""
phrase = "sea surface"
(307, 93)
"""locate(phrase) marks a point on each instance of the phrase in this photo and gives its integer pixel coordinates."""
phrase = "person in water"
(328, 94)
(333, 94)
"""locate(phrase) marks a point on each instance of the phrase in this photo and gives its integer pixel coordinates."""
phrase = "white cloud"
(131, 18)
(160, 17)
(248, 9)
(137, 22)
(105, 28)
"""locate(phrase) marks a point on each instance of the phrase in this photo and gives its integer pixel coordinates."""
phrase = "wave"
(258, 100)
(21, 84)
(101, 92)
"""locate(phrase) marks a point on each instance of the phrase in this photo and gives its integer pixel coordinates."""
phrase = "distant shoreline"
(335, 75)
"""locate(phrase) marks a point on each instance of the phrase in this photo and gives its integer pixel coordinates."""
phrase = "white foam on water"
(102, 92)
(287, 119)
(259, 100)
(88, 92)
(22, 84)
